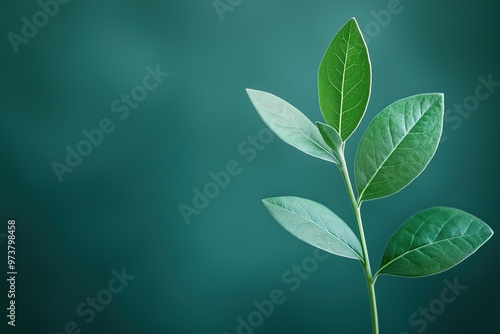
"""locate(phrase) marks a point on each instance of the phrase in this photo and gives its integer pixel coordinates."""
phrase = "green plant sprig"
(395, 148)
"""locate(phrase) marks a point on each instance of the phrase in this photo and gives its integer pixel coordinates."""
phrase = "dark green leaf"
(315, 224)
(344, 80)
(433, 241)
(292, 126)
(398, 145)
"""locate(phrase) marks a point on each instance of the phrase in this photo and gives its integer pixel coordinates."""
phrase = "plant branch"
(366, 260)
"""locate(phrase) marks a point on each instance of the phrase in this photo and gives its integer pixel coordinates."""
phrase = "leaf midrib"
(343, 80)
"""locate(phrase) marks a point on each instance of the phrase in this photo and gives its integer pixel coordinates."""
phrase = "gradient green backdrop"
(119, 208)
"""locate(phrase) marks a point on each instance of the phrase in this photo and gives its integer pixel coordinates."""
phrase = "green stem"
(366, 260)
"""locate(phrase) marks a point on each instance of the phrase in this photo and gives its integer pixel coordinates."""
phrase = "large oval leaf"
(344, 80)
(315, 224)
(433, 241)
(292, 126)
(398, 145)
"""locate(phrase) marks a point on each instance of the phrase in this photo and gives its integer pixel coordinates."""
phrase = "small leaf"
(315, 224)
(344, 80)
(397, 145)
(292, 126)
(433, 241)
(331, 137)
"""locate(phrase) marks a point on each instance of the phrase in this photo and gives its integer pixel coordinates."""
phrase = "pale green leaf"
(289, 124)
(315, 224)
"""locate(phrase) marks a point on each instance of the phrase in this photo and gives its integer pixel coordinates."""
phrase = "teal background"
(119, 208)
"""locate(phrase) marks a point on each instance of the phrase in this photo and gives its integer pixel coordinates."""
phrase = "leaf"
(344, 80)
(315, 224)
(292, 126)
(398, 145)
(331, 137)
(433, 241)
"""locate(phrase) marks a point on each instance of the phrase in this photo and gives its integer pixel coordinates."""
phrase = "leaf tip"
(440, 96)
(353, 20)
(490, 230)
(320, 126)
(266, 201)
